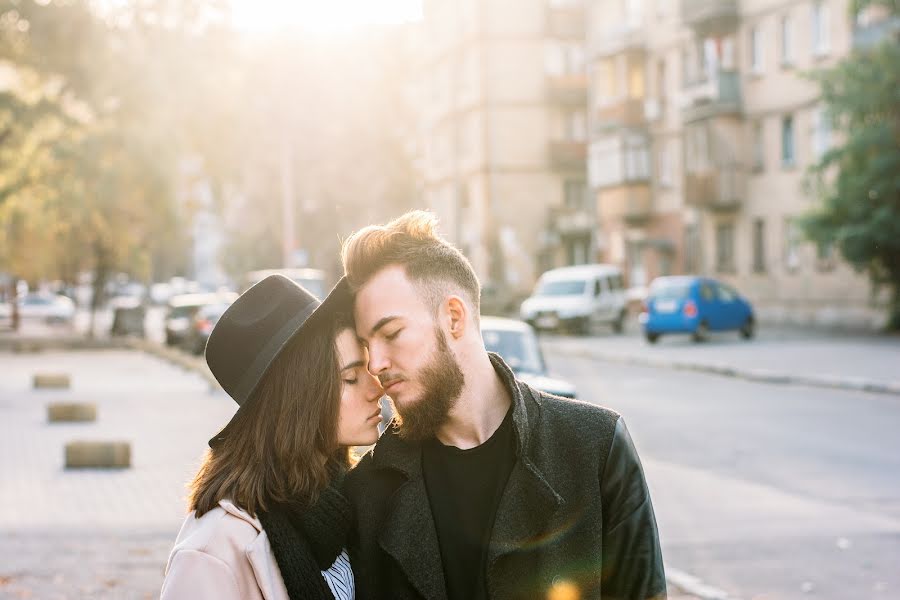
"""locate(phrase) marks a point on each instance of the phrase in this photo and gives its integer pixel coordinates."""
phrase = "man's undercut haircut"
(411, 241)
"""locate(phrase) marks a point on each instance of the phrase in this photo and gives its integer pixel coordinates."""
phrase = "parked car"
(574, 298)
(695, 305)
(129, 314)
(201, 326)
(312, 279)
(516, 342)
(50, 308)
(182, 308)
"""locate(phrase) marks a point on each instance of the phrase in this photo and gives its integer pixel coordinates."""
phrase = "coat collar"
(527, 505)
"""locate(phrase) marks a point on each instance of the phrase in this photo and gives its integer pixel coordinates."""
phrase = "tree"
(858, 181)
(95, 116)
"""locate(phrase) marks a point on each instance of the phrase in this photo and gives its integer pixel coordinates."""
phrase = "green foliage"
(95, 113)
(858, 181)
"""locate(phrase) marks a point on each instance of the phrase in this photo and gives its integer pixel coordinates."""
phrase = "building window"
(725, 248)
(787, 141)
(759, 147)
(637, 158)
(787, 42)
(821, 38)
(575, 193)
(575, 125)
(791, 245)
(664, 165)
(691, 248)
(756, 50)
(759, 246)
(636, 84)
(606, 89)
(821, 132)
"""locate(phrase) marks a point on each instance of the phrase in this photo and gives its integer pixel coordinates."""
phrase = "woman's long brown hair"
(279, 447)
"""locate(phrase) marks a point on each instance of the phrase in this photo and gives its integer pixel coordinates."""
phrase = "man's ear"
(458, 314)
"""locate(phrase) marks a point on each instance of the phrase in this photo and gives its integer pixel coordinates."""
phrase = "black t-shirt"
(464, 490)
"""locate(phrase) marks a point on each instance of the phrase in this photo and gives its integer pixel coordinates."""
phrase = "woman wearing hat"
(267, 519)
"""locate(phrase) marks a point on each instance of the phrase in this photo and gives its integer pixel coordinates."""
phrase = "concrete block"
(59, 381)
(98, 455)
(65, 412)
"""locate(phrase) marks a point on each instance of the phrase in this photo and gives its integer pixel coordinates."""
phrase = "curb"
(854, 384)
(176, 357)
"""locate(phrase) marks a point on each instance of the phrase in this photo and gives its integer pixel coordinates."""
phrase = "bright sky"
(321, 16)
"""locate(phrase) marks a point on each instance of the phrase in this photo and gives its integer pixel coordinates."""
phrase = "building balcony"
(570, 90)
(568, 154)
(712, 96)
(566, 22)
(710, 16)
(870, 35)
(720, 189)
(631, 202)
(572, 220)
(627, 112)
(617, 40)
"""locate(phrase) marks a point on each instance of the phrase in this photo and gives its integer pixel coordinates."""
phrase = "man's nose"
(378, 361)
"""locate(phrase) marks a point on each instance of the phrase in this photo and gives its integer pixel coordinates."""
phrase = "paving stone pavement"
(95, 533)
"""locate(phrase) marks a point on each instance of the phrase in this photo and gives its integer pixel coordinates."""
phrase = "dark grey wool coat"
(575, 512)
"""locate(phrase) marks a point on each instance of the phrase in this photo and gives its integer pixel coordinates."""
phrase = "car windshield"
(573, 287)
(315, 286)
(518, 348)
(177, 312)
(670, 290)
(214, 312)
(34, 299)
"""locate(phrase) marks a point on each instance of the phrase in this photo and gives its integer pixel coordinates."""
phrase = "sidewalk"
(96, 533)
(781, 356)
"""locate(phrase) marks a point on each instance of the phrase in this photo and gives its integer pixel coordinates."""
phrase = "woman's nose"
(376, 391)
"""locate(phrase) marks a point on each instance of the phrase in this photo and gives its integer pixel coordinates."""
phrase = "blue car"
(695, 305)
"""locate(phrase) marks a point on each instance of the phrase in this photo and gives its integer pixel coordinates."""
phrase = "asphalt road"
(763, 491)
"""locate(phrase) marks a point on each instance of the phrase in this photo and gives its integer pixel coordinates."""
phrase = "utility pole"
(288, 232)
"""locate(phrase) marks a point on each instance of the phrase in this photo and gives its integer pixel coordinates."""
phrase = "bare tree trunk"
(101, 274)
(14, 303)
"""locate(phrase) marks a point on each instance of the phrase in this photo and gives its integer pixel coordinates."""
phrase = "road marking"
(695, 586)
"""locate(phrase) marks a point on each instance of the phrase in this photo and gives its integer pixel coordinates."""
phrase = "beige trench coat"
(223, 555)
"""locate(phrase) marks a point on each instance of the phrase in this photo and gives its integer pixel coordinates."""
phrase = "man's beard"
(442, 382)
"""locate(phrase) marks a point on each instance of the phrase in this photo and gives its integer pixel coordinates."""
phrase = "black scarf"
(306, 540)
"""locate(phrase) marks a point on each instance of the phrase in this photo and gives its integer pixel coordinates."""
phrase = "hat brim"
(338, 299)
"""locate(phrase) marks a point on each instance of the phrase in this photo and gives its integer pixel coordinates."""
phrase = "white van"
(575, 298)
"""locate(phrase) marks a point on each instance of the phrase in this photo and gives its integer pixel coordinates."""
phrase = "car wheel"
(701, 334)
(619, 324)
(748, 329)
(652, 337)
(579, 326)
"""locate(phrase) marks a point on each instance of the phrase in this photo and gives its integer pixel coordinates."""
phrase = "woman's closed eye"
(394, 335)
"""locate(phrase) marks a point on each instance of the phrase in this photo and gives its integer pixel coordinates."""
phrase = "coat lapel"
(529, 503)
(409, 534)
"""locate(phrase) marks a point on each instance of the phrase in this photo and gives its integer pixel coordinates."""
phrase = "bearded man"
(482, 487)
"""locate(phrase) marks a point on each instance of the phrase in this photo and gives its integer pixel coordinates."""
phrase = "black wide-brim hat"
(254, 330)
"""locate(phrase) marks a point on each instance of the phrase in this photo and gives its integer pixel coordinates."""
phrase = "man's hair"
(411, 241)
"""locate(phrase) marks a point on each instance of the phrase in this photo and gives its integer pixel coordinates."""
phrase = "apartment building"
(501, 86)
(702, 126)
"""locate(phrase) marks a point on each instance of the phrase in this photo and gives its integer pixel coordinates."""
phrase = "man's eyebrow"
(353, 365)
(381, 323)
